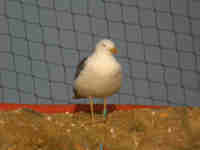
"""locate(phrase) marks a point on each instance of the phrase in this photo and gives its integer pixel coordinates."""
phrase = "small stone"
(153, 113)
(49, 118)
(112, 130)
(67, 113)
(169, 130)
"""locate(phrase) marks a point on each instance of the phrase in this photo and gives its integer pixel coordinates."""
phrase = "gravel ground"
(172, 128)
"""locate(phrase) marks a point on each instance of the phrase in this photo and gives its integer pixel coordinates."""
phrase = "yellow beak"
(113, 50)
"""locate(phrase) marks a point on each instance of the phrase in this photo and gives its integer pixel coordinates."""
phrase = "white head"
(107, 46)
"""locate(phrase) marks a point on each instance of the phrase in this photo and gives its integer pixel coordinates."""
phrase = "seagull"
(98, 75)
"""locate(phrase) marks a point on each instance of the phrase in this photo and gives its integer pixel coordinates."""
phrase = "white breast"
(100, 78)
(103, 65)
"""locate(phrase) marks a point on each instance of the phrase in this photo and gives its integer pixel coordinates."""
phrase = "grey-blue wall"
(42, 41)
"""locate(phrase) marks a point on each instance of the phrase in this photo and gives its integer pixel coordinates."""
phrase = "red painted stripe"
(72, 108)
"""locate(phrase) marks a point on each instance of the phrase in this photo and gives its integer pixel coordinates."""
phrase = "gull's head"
(107, 46)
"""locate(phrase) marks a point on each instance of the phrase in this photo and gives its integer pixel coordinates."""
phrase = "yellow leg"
(105, 111)
(91, 108)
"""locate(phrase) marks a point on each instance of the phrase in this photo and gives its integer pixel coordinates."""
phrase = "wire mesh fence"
(42, 41)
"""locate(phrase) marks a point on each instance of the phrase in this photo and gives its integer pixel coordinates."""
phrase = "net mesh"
(42, 41)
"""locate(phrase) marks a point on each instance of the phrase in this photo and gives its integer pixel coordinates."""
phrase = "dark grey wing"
(79, 68)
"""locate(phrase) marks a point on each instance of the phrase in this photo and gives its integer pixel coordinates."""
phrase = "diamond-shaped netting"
(42, 41)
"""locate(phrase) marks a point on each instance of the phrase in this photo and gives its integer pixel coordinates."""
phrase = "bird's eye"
(104, 45)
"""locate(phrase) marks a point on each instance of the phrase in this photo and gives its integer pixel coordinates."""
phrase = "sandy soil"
(173, 128)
